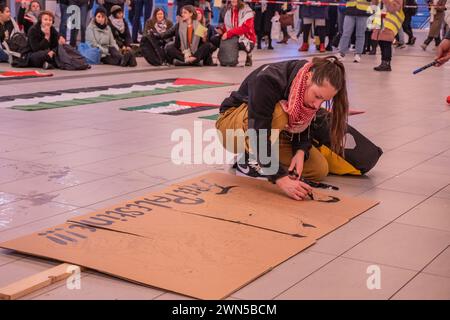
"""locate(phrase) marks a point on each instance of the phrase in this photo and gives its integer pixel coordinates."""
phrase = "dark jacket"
(122, 39)
(37, 41)
(262, 90)
(314, 12)
(6, 30)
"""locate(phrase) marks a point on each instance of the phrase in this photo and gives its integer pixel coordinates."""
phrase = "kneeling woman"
(99, 35)
(189, 47)
(286, 96)
(43, 40)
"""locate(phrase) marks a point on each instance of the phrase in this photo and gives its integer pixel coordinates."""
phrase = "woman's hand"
(297, 162)
(61, 40)
(443, 52)
(51, 54)
(224, 36)
(295, 189)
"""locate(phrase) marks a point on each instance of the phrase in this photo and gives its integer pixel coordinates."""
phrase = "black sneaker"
(250, 168)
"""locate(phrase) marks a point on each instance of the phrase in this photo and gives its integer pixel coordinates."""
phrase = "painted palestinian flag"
(8, 75)
(173, 107)
(90, 95)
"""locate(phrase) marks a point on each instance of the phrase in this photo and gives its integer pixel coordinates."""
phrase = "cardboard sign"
(204, 238)
(195, 256)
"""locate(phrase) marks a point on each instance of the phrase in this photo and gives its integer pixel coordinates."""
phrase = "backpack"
(152, 52)
(17, 49)
(68, 58)
(91, 54)
(229, 52)
(360, 154)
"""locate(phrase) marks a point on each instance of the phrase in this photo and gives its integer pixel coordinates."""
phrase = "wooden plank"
(38, 281)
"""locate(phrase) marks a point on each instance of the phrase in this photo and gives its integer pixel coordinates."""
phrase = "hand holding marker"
(425, 67)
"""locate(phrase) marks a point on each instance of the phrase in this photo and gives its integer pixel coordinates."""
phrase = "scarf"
(119, 24)
(239, 19)
(100, 26)
(161, 27)
(182, 30)
(294, 107)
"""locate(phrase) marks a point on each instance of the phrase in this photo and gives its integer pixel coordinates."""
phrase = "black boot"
(411, 41)
(248, 60)
(270, 43)
(384, 66)
(258, 46)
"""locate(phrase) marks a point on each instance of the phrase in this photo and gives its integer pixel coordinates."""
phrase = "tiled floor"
(56, 164)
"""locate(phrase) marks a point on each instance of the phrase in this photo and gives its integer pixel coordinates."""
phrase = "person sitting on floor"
(286, 96)
(121, 32)
(7, 28)
(28, 14)
(211, 35)
(99, 35)
(189, 48)
(43, 40)
(158, 23)
(239, 22)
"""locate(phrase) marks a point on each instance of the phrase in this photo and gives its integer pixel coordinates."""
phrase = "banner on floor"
(205, 237)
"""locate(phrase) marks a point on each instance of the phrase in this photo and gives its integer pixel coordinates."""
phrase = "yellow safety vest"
(359, 4)
(393, 21)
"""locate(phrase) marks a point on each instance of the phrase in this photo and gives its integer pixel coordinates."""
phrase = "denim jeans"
(63, 23)
(3, 56)
(349, 25)
(140, 7)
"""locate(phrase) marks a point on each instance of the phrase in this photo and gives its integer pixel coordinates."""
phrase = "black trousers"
(285, 32)
(332, 24)
(321, 31)
(386, 50)
(114, 58)
(203, 52)
(406, 25)
(37, 59)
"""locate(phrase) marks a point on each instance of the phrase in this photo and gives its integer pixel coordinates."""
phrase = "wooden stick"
(38, 281)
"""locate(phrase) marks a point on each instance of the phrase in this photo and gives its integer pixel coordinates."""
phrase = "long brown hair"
(332, 70)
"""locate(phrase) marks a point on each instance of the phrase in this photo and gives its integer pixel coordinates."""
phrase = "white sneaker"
(340, 57)
(357, 58)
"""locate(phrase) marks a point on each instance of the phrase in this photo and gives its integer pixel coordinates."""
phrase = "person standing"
(437, 13)
(264, 12)
(316, 15)
(410, 12)
(391, 21)
(356, 16)
(84, 6)
(140, 7)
